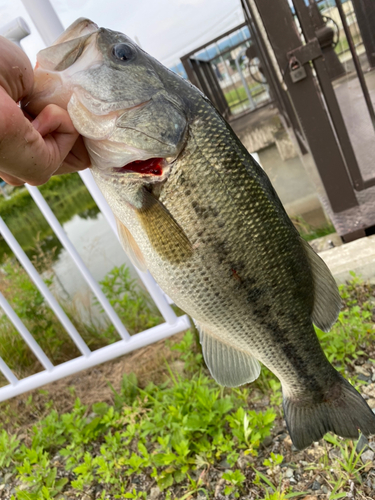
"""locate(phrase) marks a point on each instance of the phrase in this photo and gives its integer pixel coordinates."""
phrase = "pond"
(100, 250)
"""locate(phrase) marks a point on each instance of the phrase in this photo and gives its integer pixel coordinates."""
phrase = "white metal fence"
(50, 27)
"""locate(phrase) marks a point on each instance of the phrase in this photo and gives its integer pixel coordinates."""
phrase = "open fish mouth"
(152, 166)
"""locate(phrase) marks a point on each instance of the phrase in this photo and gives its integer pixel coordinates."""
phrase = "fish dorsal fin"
(130, 246)
(327, 301)
(166, 236)
(228, 365)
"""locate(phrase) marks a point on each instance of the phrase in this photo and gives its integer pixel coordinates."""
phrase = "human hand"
(32, 150)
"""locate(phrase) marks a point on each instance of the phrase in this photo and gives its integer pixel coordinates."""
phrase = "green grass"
(165, 431)
(309, 232)
(235, 96)
(176, 433)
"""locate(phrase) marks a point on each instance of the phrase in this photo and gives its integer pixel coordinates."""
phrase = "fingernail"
(36, 124)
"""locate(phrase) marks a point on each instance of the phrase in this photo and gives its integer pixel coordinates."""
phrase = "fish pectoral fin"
(229, 365)
(327, 301)
(165, 235)
(130, 246)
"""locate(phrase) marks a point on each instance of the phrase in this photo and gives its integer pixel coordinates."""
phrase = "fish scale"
(206, 222)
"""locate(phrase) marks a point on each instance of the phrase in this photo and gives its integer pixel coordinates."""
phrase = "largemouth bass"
(195, 209)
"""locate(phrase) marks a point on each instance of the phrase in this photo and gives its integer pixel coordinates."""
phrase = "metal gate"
(217, 68)
(316, 100)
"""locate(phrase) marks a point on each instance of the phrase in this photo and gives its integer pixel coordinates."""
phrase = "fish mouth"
(154, 167)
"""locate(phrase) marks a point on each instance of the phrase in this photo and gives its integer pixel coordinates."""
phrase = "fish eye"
(123, 52)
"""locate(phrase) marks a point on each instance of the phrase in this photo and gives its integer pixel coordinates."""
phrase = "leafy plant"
(188, 353)
(354, 330)
(175, 432)
(236, 480)
(350, 461)
(131, 303)
(35, 470)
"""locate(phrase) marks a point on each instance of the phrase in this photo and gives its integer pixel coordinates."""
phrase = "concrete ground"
(357, 120)
(357, 256)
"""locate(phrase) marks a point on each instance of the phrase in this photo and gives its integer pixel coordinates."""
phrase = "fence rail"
(174, 324)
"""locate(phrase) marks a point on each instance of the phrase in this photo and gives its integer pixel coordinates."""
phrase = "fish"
(195, 209)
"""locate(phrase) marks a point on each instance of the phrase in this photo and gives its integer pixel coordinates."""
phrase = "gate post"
(365, 14)
(283, 36)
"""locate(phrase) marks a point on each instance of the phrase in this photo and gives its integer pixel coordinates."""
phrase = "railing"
(50, 27)
(172, 325)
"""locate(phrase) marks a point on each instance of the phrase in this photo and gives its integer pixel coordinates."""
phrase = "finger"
(77, 159)
(24, 153)
(16, 73)
(53, 119)
(9, 179)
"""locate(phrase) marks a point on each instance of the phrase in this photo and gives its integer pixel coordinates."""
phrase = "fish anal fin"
(130, 246)
(230, 366)
(327, 301)
(166, 236)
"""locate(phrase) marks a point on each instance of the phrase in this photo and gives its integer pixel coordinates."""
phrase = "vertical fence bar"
(308, 105)
(7, 372)
(324, 78)
(25, 334)
(357, 63)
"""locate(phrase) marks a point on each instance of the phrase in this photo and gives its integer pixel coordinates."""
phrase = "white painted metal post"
(243, 79)
(24, 332)
(100, 356)
(7, 372)
(15, 31)
(45, 19)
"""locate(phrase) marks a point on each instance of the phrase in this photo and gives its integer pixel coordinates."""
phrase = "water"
(100, 250)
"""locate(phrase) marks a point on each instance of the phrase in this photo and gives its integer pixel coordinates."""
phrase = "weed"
(350, 461)
(167, 430)
(131, 303)
(188, 353)
(8, 445)
(353, 332)
(309, 232)
(236, 479)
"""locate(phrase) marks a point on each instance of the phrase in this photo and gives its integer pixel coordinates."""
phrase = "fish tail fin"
(342, 411)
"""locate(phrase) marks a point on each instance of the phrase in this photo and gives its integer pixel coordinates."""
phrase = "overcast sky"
(166, 29)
